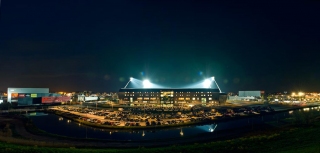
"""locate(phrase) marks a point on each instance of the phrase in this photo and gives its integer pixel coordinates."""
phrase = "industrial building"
(34, 96)
(248, 96)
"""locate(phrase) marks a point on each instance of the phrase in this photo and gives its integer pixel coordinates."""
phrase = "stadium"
(141, 93)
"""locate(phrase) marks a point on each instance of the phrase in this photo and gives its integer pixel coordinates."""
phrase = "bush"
(6, 131)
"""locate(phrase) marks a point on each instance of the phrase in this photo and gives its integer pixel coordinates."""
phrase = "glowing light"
(207, 83)
(181, 132)
(306, 109)
(131, 78)
(146, 84)
(212, 78)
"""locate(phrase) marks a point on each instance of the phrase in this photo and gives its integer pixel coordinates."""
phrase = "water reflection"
(143, 134)
(212, 129)
(57, 125)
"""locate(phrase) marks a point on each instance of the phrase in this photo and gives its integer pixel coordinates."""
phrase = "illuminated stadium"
(140, 93)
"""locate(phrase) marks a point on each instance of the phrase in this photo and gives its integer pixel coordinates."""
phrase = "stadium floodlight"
(212, 78)
(131, 78)
(146, 84)
(207, 83)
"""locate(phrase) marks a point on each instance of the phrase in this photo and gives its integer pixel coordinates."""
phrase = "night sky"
(97, 45)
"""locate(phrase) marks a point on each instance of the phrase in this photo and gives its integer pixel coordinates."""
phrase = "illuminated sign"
(14, 95)
(21, 95)
(33, 95)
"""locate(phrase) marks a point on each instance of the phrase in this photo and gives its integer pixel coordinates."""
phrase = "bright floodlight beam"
(207, 83)
(146, 84)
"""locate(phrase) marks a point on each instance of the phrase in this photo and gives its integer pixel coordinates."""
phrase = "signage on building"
(21, 95)
(14, 95)
(33, 95)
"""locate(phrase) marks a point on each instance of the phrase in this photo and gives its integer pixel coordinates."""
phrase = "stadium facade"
(173, 96)
(206, 92)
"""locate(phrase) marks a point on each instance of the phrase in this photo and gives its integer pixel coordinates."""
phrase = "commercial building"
(34, 96)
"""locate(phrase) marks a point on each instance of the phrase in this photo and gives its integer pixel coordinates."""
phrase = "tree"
(6, 131)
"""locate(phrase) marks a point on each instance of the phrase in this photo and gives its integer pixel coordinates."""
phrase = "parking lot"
(152, 116)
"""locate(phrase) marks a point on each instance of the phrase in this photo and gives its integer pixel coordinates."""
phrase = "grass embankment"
(286, 139)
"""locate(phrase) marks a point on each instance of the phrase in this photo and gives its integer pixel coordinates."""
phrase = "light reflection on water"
(57, 125)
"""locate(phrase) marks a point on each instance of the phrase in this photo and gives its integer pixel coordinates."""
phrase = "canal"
(54, 124)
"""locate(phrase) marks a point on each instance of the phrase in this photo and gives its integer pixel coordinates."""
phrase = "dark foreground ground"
(297, 138)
